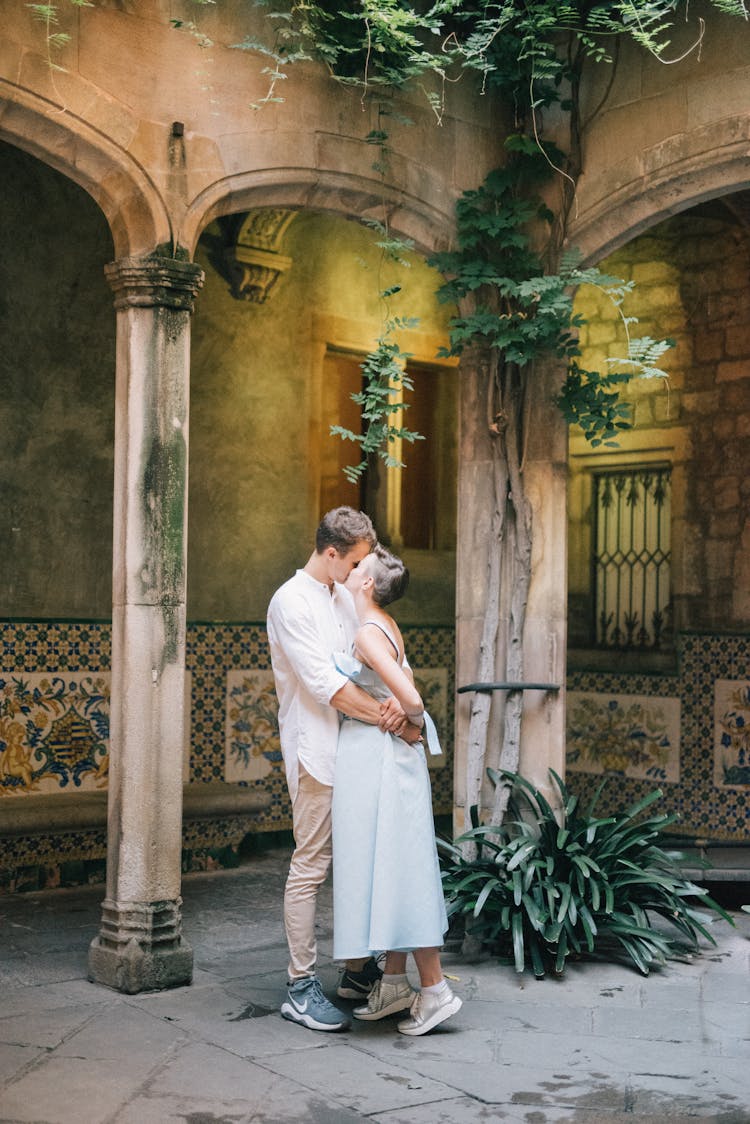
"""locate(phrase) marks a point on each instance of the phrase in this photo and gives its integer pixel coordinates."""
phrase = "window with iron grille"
(632, 558)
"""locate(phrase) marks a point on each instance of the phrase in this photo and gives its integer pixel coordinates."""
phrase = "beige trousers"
(311, 861)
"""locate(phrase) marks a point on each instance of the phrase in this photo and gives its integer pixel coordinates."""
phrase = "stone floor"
(602, 1044)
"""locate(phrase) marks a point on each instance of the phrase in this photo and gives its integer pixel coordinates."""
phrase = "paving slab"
(14, 1060)
(368, 1087)
(602, 1045)
(67, 1091)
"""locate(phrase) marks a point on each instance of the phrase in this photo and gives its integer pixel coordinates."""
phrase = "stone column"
(140, 945)
(544, 643)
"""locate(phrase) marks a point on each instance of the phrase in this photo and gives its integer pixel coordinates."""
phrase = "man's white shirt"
(307, 623)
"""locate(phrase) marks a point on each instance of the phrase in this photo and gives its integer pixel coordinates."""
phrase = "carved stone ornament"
(253, 260)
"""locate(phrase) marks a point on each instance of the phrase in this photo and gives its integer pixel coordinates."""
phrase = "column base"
(140, 948)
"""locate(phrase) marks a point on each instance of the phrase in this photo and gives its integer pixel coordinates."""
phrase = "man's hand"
(392, 717)
(393, 720)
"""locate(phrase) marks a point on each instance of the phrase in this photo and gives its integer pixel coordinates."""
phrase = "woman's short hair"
(342, 528)
(389, 574)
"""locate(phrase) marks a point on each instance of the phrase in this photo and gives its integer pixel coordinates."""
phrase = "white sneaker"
(386, 999)
(429, 1009)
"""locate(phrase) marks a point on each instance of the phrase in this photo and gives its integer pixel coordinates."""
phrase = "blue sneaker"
(307, 1005)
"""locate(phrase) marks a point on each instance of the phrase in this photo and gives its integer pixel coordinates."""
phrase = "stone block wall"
(692, 277)
(675, 718)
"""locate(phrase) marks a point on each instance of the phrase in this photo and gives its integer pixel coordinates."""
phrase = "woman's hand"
(393, 720)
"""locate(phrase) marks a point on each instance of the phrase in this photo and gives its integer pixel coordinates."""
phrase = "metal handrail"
(486, 688)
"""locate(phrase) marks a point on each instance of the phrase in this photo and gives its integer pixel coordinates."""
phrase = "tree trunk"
(508, 554)
(518, 545)
(482, 701)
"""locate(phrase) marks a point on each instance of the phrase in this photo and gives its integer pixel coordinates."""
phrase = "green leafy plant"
(384, 373)
(384, 376)
(545, 886)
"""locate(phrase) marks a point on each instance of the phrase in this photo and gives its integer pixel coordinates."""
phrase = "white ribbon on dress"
(350, 666)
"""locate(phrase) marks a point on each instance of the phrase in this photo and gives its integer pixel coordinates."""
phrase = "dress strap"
(386, 632)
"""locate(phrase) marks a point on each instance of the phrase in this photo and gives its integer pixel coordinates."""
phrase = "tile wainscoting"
(54, 734)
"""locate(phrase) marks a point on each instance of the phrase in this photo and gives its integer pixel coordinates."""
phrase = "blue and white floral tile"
(732, 733)
(252, 746)
(635, 736)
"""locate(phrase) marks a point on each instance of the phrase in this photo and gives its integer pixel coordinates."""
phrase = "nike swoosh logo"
(301, 1007)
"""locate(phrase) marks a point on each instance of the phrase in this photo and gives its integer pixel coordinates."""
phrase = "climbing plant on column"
(509, 274)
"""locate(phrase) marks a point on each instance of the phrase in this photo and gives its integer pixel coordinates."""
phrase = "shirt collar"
(318, 584)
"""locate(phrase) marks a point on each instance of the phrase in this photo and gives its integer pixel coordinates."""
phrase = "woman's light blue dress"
(387, 891)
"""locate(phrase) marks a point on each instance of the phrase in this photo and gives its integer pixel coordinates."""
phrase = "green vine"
(49, 16)
(384, 373)
(530, 56)
(522, 313)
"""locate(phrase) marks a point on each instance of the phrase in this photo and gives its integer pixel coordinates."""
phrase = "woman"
(386, 881)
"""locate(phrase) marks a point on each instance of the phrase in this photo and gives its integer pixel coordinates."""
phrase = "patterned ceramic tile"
(54, 732)
(432, 684)
(633, 735)
(253, 749)
(721, 813)
(77, 652)
(732, 732)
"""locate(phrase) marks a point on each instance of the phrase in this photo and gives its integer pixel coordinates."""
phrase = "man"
(309, 618)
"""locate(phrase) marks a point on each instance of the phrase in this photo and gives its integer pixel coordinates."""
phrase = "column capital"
(154, 281)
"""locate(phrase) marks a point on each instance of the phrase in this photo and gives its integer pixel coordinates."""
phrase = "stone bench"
(87, 811)
(60, 839)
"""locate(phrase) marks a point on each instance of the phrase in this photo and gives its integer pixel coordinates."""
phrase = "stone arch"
(122, 189)
(347, 195)
(716, 166)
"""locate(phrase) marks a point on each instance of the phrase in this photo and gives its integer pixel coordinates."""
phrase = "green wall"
(57, 367)
(255, 432)
(254, 445)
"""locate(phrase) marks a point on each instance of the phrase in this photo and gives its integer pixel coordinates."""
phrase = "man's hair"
(342, 528)
(389, 575)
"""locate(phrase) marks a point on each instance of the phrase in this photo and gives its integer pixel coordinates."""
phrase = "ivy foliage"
(530, 55)
(384, 371)
(384, 378)
(49, 16)
(510, 304)
(520, 48)
(525, 50)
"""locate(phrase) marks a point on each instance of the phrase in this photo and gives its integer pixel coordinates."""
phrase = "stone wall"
(127, 75)
(661, 136)
(258, 424)
(692, 276)
(674, 718)
(57, 368)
